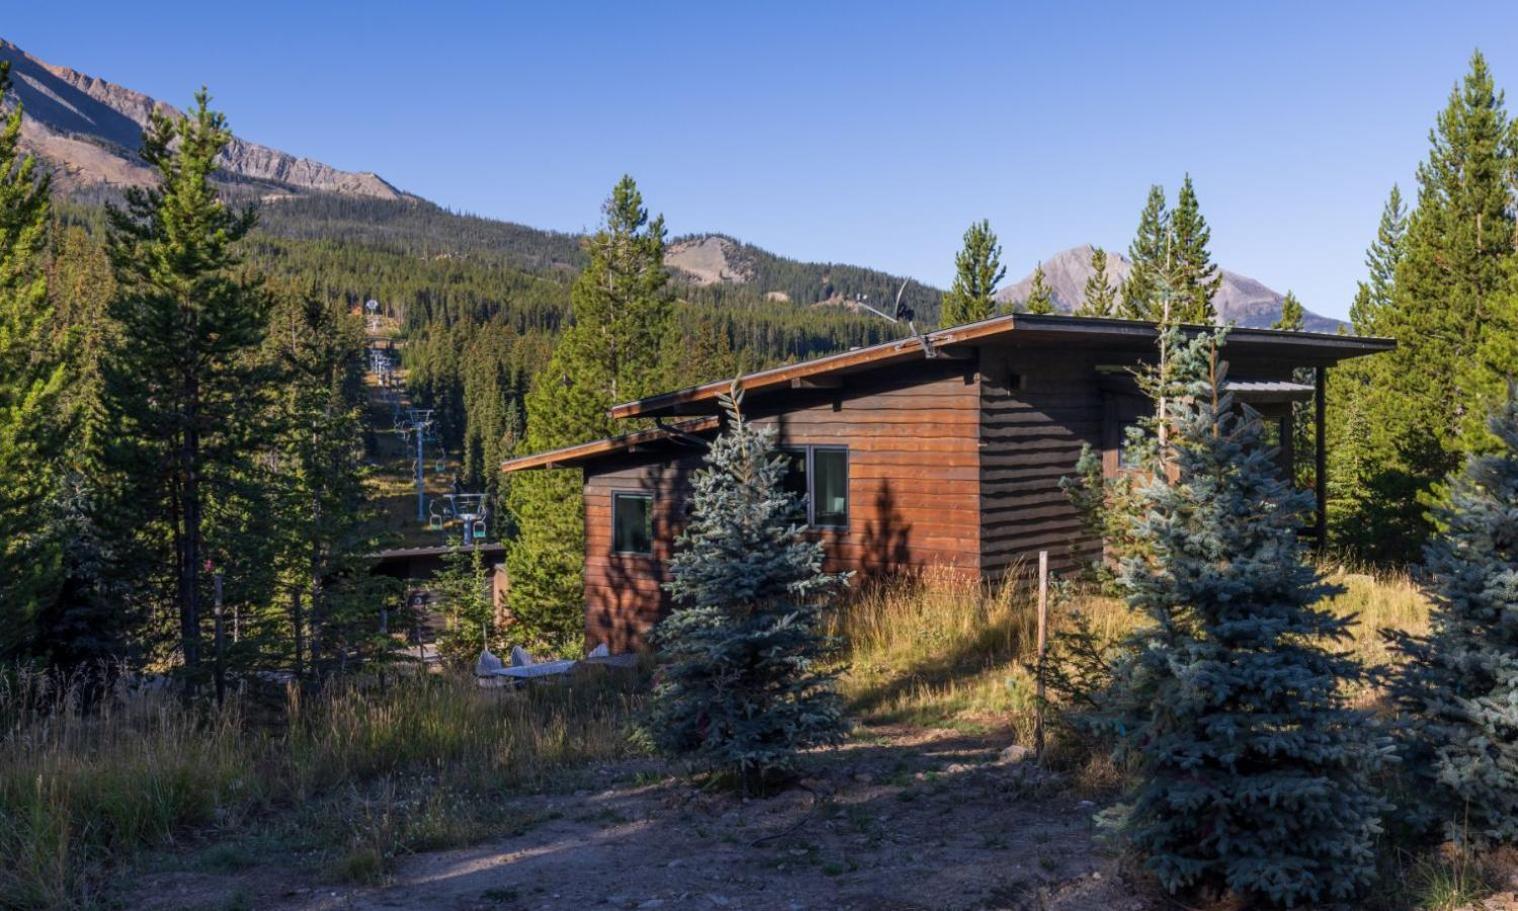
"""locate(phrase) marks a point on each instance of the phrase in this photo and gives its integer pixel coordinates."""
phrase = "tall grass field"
(364, 772)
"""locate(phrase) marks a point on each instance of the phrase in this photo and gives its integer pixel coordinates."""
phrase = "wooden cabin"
(944, 450)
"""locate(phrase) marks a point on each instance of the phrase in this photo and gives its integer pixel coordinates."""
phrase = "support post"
(1043, 638)
(1320, 455)
(421, 469)
(221, 663)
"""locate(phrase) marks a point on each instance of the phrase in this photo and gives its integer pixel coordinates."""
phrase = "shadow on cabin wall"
(885, 548)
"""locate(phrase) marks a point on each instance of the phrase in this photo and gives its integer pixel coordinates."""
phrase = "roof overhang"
(575, 456)
(1298, 349)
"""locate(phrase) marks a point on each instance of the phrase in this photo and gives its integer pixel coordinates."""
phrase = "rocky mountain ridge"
(1241, 300)
(89, 131)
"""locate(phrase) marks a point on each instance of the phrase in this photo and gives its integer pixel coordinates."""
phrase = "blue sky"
(870, 133)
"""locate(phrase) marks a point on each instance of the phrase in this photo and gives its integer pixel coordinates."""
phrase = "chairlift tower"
(418, 422)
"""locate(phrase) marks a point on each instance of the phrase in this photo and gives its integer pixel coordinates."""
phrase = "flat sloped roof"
(570, 456)
(1300, 348)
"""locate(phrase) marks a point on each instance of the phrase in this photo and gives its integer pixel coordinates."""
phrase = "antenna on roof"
(903, 314)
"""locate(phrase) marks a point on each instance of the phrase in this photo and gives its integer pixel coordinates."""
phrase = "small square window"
(632, 523)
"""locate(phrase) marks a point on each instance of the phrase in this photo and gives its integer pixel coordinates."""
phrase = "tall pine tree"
(977, 272)
(183, 384)
(1423, 400)
(610, 353)
(1381, 260)
(323, 526)
(31, 389)
(1147, 256)
(1193, 275)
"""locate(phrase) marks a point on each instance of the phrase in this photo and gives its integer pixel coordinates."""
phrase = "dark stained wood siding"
(912, 435)
(623, 598)
(1038, 408)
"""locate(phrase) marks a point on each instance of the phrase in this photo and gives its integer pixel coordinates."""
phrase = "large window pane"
(830, 487)
(632, 523)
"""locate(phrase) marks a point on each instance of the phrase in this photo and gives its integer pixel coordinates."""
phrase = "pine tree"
(1040, 299)
(183, 385)
(1193, 275)
(1291, 314)
(1147, 254)
(31, 386)
(609, 354)
(1250, 773)
(977, 272)
(700, 353)
(743, 686)
(467, 605)
(1459, 684)
(1381, 259)
(323, 525)
(1099, 298)
(1423, 401)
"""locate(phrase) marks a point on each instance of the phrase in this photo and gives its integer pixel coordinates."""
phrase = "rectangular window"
(830, 487)
(632, 523)
(820, 474)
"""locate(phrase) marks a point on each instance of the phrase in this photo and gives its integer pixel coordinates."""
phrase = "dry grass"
(943, 651)
(947, 652)
(361, 774)
(81, 791)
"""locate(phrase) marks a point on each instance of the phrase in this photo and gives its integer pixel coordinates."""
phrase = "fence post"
(1043, 639)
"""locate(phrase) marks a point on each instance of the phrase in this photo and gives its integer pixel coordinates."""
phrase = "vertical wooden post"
(1320, 456)
(221, 663)
(1043, 639)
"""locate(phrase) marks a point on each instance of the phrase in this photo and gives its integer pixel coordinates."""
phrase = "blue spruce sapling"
(742, 687)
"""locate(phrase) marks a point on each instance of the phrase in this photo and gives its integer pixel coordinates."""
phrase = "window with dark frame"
(820, 474)
(632, 523)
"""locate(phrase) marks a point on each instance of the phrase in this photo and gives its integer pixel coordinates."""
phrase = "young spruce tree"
(1040, 298)
(1099, 298)
(742, 688)
(1459, 685)
(977, 272)
(1250, 773)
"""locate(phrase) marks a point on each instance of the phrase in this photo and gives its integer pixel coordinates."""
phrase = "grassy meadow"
(362, 773)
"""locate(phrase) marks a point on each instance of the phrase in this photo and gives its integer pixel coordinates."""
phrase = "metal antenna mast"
(903, 314)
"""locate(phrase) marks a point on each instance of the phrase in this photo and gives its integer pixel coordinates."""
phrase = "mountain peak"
(1242, 300)
(89, 130)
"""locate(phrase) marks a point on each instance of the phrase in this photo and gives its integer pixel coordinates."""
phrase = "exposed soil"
(899, 819)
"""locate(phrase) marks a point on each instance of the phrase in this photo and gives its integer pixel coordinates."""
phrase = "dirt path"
(903, 819)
